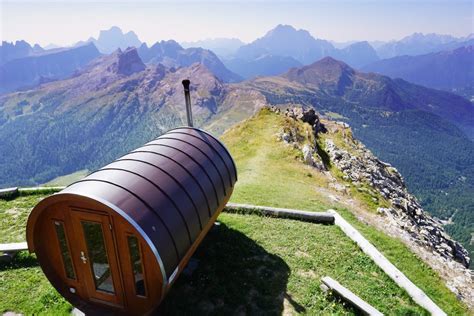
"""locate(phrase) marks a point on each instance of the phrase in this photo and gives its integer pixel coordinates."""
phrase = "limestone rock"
(406, 212)
(307, 155)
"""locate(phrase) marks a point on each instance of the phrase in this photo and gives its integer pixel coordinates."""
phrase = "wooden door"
(97, 257)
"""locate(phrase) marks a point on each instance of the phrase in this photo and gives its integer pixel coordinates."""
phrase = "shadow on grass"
(21, 260)
(234, 275)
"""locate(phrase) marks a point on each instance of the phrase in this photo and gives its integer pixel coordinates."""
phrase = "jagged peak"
(16, 43)
(283, 27)
(124, 62)
(129, 62)
(418, 36)
(171, 43)
(112, 30)
(164, 45)
(286, 30)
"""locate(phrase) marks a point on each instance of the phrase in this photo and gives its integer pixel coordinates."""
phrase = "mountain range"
(106, 109)
(447, 70)
(171, 54)
(287, 47)
(277, 51)
(25, 67)
(19, 49)
(292, 46)
(119, 101)
(419, 44)
(43, 66)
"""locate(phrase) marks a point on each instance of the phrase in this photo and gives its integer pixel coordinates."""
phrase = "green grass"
(25, 289)
(268, 171)
(23, 286)
(260, 265)
(251, 264)
(413, 267)
(13, 217)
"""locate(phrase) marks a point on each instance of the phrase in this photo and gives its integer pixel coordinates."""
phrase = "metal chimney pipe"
(187, 97)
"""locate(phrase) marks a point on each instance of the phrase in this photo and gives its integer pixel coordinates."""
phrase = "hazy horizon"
(61, 22)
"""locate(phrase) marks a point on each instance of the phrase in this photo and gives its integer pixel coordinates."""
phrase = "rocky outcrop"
(292, 135)
(405, 210)
(308, 116)
(360, 166)
(403, 218)
(128, 62)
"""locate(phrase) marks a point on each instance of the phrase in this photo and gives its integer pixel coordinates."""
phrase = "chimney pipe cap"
(186, 84)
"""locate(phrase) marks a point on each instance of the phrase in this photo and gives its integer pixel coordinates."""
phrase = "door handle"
(83, 257)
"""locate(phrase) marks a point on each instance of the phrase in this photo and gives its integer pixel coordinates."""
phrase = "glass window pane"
(98, 256)
(65, 254)
(137, 267)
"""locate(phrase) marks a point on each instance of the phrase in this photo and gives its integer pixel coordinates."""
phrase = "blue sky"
(65, 22)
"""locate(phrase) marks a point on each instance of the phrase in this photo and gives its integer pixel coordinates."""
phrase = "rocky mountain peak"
(126, 62)
(13, 50)
(170, 48)
(113, 31)
(281, 29)
(116, 34)
(429, 37)
(285, 40)
(113, 38)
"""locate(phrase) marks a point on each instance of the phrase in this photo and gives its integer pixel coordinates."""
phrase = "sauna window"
(137, 267)
(63, 247)
(98, 256)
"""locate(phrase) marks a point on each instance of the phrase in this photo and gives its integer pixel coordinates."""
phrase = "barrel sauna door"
(98, 258)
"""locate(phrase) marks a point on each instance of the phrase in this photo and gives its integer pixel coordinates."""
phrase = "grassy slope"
(269, 175)
(280, 261)
(279, 267)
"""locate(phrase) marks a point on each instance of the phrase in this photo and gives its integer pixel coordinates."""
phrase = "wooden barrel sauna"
(116, 240)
